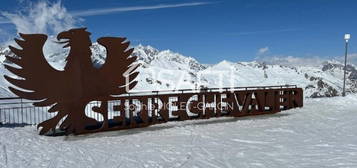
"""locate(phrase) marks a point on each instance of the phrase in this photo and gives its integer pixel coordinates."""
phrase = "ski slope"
(321, 134)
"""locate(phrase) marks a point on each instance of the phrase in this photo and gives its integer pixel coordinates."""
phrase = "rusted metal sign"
(69, 91)
(142, 111)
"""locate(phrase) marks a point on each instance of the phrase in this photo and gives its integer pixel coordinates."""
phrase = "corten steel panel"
(69, 91)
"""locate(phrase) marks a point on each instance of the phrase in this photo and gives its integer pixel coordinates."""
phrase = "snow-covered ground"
(321, 134)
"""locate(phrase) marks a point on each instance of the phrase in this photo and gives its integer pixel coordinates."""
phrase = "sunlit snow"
(321, 134)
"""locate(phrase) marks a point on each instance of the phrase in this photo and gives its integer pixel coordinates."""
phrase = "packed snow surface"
(321, 134)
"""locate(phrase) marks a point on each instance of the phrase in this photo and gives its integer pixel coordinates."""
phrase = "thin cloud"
(42, 17)
(292, 60)
(263, 50)
(93, 12)
(265, 32)
(5, 22)
(288, 60)
(351, 58)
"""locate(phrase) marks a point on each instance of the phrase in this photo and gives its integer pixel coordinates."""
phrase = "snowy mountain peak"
(223, 65)
(4, 51)
(166, 58)
(148, 49)
(145, 53)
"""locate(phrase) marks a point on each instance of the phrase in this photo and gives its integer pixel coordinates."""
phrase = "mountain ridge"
(167, 70)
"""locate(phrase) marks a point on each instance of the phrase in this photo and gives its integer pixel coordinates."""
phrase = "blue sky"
(211, 31)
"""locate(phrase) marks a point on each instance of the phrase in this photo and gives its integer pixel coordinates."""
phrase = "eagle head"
(75, 37)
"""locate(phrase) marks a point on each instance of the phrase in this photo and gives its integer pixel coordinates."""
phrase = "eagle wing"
(118, 69)
(42, 82)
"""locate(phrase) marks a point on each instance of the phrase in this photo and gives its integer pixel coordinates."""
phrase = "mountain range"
(167, 70)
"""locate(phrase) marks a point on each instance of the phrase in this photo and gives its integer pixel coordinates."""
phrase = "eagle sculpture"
(70, 90)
